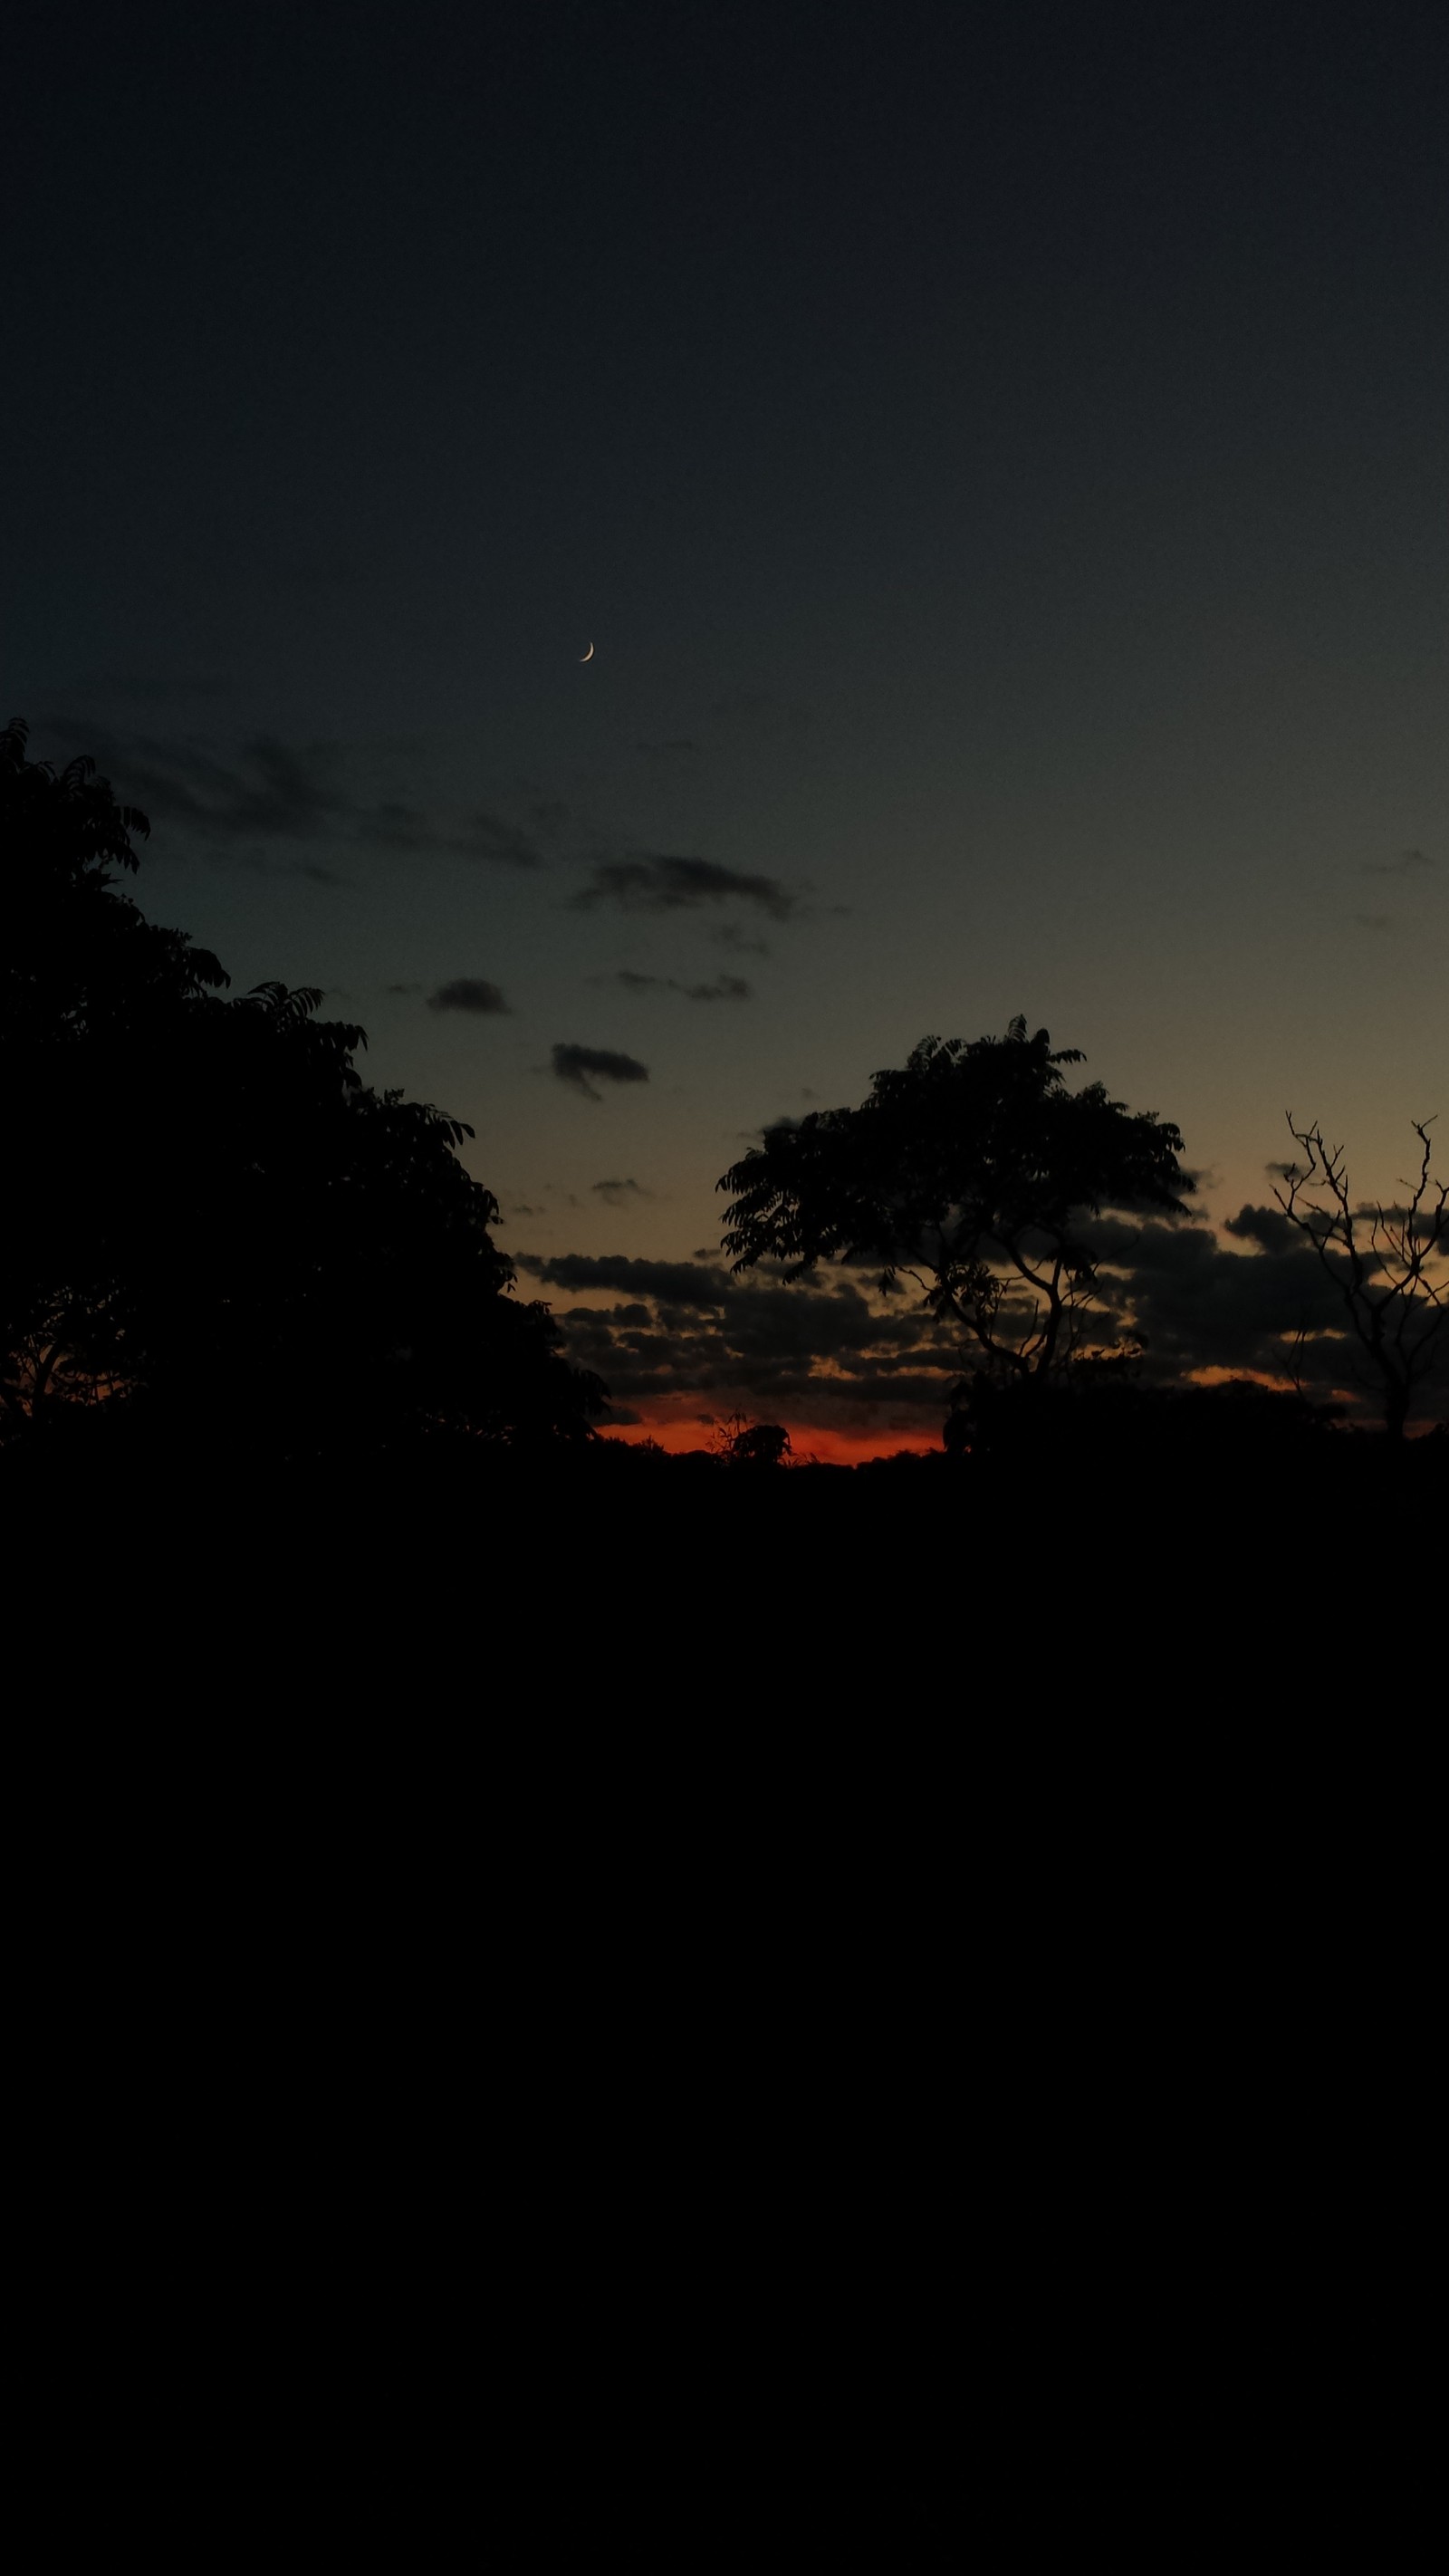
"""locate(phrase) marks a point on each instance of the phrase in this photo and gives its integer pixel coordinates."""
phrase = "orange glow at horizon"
(678, 1433)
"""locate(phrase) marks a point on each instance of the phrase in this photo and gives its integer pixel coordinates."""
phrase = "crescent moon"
(587, 657)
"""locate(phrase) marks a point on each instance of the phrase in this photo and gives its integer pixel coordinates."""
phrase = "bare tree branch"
(1379, 1261)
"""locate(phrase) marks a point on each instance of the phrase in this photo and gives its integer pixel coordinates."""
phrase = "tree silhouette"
(214, 1224)
(743, 1443)
(1379, 1259)
(971, 1170)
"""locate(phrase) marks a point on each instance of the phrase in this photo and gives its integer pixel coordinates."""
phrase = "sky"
(998, 458)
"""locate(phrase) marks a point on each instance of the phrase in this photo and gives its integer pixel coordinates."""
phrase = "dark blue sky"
(999, 458)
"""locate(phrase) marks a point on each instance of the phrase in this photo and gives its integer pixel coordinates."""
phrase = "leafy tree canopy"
(973, 1169)
(210, 1216)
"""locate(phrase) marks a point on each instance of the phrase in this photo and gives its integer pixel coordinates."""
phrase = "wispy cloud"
(729, 934)
(724, 988)
(489, 836)
(267, 790)
(648, 884)
(1409, 863)
(581, 1067)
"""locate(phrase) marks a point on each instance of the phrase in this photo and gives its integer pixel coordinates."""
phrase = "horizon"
(855, 1368)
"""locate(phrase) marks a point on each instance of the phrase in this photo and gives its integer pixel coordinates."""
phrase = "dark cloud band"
(836, 1352)
(676, 885)
(722, 988)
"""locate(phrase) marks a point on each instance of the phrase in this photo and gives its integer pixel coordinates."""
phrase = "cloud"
(467, 993)
(666, 750)
(576, 1064)
(489, 836)
(1372, 920)
(728, 934)
(1409, 863)
(679, 1283)
(1267, 1227)
(687, 1330)
(674, 885)
(725, 988)
(1198, 1305)
(833, 1351)
(269, 790)
(619, 1193)
(402, 988)
(391, 825)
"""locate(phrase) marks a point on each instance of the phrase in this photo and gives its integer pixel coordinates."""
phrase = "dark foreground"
(1209, 1518)
(708, 2016)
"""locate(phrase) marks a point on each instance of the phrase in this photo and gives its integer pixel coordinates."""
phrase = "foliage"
(743, 1443)
(212, 1221)
(974, 1165)
(1380, 1260)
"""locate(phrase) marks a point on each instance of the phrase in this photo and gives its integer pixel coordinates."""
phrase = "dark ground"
(711, 2018)
(1066, 1543)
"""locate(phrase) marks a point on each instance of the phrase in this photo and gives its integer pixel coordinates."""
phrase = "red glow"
(677, 1431)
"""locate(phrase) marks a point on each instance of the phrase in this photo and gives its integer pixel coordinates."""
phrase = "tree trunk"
(1396, 1411)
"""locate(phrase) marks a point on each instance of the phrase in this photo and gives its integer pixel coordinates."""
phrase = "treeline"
(220, 1241)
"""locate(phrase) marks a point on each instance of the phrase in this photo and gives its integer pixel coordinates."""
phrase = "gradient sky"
(998, 456)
